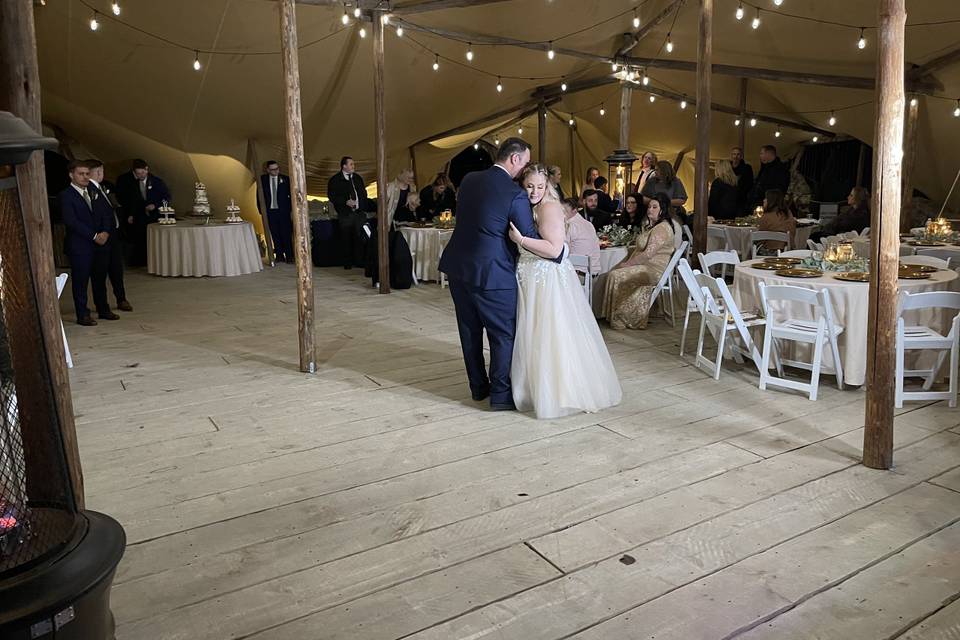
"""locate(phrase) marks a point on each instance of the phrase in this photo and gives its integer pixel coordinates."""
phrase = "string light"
(736, 122)
(653, 98)
(399, 32)
(476, 145)
(833, 119)
(777, 132)
(363, 32)
(630, 75)
(816, 138)
(563, 85)
(778, 2)
(740, 11)
(636, 20)
(756, 21)
(862, 42)
(386, 18)
(345, 19)
(356, 12)
(956, 112)
(436, 62)
(669, 44)
(94, 24)
(550, 52)
(913, 102)
(496, 141)
(520, 130)
(115, 7)
(683, 103)
(753, 122)
(571, 122)
(196, 61)
(499, 85)
(602, 110)
(646, 80)
(614, 66)
(469, 52)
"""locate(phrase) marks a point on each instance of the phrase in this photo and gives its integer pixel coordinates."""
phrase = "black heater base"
(67, 597)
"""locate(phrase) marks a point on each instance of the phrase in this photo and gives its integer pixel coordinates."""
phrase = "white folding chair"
(865, 233)
(795, 253)
(943, 254)
(910, 338)
(695, 300)
(688, 236)
(722, 258)
(718, 233)
(721, 316)
(907, 250)
(762, 236)
(814, 246)
(926, 260)
(819, 332)
(666, 284)
(583, 266)
(61, 285)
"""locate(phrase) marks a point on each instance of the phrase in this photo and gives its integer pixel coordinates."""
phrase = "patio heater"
(56, 560)
(620, 174)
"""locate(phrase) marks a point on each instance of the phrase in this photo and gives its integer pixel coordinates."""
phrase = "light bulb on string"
(436, 62)
(736, 122)
(669, 44)
(862, 42)
(646, 80)
(356, 12)
(571, 122)
(956, 112)
(602, 110)
(833, 119)
(913, 102)
(778, 2)
(614, 66)
(653, 98)
(683, 103)
(816, 138)
(636, 20)
(756, 20)
(740, 11)
(520, 130)
(499, 85)
(630, 75)
(563, 85)
(196, 61)
(94, 24)
(386, 18)
(550, 52)
(476, 145)
(399, 32)
(345, 19)
(753, 122)
(469, 52)
(496, 141)
(363, 32)
(776, 134)
(115, 7)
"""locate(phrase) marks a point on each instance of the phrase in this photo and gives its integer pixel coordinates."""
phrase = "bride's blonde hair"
(550, 192)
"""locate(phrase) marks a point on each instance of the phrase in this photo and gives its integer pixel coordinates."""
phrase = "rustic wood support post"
(861, 163)
(742, 134)
(298, 183)
(413, 164)
(542, 131)
(380, 129)
(704, 63)
(884, 237)
(626, 95)
(20, 95)
(573, 163)
(909, 163)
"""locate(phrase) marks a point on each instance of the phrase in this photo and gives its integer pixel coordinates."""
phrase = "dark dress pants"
(87, 269)
(281, 230)
(351, 226)
(493, 310)
(115, 266)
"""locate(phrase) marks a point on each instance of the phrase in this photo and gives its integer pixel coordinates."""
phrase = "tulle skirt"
(561, 365)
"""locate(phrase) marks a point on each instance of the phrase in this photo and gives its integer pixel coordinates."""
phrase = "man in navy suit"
(141, 193)
(348, 195)
(276, 194)
(480, 262)
(88, 231)
(106, 193)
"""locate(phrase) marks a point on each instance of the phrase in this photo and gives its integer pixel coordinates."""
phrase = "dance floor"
(375, 500)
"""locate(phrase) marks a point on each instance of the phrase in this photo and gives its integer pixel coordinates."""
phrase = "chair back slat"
(929, 300)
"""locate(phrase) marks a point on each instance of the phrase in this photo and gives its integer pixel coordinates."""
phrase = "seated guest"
(630, 285)
(633, 215)
(856, 217)
(723, 193)
(604, 201)
(437, 198)
(592, 174)
(581, 236)
(597, 217)
(398, 197)
(776, 217)
(666, 182)
(555, 175)
(648, 164)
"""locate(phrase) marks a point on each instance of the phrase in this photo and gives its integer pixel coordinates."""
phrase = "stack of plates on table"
(916, 271)
(852, 276)
(799, 273)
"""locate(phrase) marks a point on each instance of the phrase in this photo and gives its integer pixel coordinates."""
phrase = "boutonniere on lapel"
(279, 180)
(149, 186)
(94, 194)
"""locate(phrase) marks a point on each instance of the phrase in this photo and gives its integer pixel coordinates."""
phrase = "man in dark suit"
(596, 216)
(88, 231)
(141, 194)
(348, 195)
(744, 173)
(108, 198)
(276, 195)
(604, 201)
(774, 174)
(480, 262)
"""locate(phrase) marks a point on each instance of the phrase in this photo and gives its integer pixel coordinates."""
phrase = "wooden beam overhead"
(436, 5)
(633, 39)
(529, 107)
(947, 59)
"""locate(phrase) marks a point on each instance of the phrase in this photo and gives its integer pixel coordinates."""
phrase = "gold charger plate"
(769, 266)
(913, 275)
(780, 260)
(917, 243)
(918, 268)
(799, 273)
(852, 276)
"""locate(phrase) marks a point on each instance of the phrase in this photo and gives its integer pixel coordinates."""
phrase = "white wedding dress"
(560, 364)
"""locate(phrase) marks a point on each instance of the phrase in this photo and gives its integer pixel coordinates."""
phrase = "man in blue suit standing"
(276, 195)
(88, 230)
(480, 262)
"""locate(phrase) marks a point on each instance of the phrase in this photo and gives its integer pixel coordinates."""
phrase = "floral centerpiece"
(936, 230)
(837, 257)
(616, 236)
(445, 220)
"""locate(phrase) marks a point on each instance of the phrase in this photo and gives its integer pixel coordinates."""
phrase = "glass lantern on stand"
(620, 174)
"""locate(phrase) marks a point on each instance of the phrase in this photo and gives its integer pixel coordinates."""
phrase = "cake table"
(215, 249)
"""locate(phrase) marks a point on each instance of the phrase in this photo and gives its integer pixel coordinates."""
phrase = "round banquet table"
(850, 305)
(861, 246)
(740, 239)
(426, 244)
(609, 258)
(189, 249)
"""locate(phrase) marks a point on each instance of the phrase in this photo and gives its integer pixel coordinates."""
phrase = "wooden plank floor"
(376, 501)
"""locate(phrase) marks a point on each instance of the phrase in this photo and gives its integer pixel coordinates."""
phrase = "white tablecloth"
(609, 258)
(861, 246)
(426, 245)
(740, 239)
(850, 304)
(188, 249)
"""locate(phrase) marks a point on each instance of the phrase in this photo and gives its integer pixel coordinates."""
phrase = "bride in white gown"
(560, 362)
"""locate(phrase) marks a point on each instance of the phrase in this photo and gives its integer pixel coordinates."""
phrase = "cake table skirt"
(185, 249)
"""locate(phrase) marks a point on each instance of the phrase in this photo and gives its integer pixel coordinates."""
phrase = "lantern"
(620, 174)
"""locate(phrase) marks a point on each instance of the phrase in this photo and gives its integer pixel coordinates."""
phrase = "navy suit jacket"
(133, 204)
(480, 253)
(284, 201)
(82, 223)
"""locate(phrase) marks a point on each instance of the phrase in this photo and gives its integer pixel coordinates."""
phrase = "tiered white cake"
(233, 212)
(166, 214)
(201, 205)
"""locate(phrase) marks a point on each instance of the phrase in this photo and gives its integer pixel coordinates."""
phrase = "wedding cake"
(201, 205)
(233, 212)
(166, 214)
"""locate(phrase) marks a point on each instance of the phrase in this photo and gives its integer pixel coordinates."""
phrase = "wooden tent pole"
(380, 127)
(885, 237)
(742, 134)
(626, 95)
(298, 183)
(909, 163)
(413, 164)
(542, 131)
(20, 95)
(573, 164)
(255, 167)
(704, 65)
(861, 160)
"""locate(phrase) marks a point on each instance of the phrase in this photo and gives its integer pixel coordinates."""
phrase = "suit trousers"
(115, 266)
(351, 238)
(493, 310)
(281, 230)
(89, 269)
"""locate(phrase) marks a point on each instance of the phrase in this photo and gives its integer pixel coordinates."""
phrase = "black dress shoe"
(108, 316)
(123, 305)
(480, 396)
(87, 322)
(503, 407)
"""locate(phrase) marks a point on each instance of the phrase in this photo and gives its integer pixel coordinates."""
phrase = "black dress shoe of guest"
(481, 395)
(87, 322)
(509, 406)
(123, 305)
(108, 316)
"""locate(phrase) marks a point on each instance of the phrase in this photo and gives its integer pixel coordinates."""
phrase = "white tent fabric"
(122, 93)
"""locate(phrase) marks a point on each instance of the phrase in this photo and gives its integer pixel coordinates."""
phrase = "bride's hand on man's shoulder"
(515, 234)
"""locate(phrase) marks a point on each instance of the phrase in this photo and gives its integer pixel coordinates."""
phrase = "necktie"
(86, 198)
(143, 189)
(353, 186)
(273, 192)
